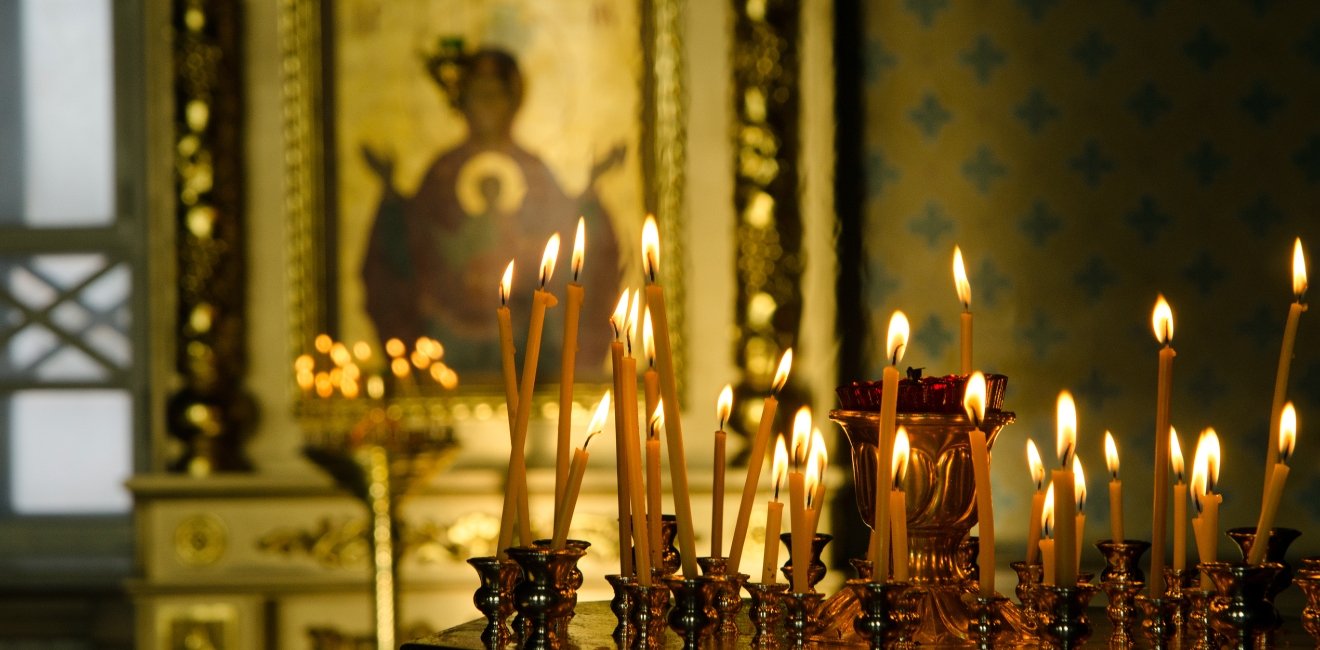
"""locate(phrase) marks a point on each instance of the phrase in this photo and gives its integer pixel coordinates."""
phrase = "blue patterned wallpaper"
(1088, 156)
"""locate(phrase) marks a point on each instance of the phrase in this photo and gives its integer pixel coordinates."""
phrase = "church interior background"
(180, 180)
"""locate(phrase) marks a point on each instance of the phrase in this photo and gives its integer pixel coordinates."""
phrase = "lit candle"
(722, 408)
(774, 513)
(756, 458)
(1162, 320)
(811, 481)
(896, 344)
(653, 504)
(619, 324)
(1285, 356)
(965, 297)
(898, 504)
(1287, 439)
(1065, 499)
(1205, 475)
(820, 458)
(1037, 501)
(797, 501)
(1179, 502)
(655, 300)
(1048, 570)
(573, 296)
(974, 404)
(578, 468)
(1115, 490)
(1079, 489)
(631, 454)
(516, 499)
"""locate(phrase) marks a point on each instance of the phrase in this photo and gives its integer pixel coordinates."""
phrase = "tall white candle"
(1065, 500)
(573, 297)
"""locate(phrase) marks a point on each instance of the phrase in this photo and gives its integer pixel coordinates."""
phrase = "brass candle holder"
(968, 551)
(548, 591)
(1245, 616)
(1159, 620)
(494, 597)
(1064, 620)
(1029, 578)
(1177, 583)
(621, 606)
(1276, 550)
(1308, 579)
(800, 609)
(1121, 581)
(816, 570)
(648, 616)
(670, 559)
(766, 612)
(727, 600)
(1201, 633)
(693, 615)
(987, 627)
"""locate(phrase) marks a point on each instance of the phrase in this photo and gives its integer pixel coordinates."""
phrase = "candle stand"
(1244, 618)
(1159, 620)
(1064, 621)
(621, 605)
(766, 611)
(494, 596)
(1177, 582)
(1308, 579)
(693, 615)
(800, 610)
(968, 551)
(1201, 633)
(727, 599)
(1276, 550)
(941, 495)
(987, 626)
(547, 594)
(1121, 581)
(816, 570)
(385, 454)
(650, 606)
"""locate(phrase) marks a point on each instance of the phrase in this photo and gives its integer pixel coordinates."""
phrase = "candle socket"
(1122, 609)
(986, 623)
(1029, 577)
(816, 570)
(621, 605)
(728, 597)
(801, 616)
(494, 597)
(1201, 633)
(968, 551)
(650, 606)
(766, 611)
(1243, 616)
(1064, 621)
(862, 567)
(1276, 550)
(1177, 583)
(1159, 624)
(1308, 579)
(888, 612)
(548, 592)
(693, 615)
(1122, 559)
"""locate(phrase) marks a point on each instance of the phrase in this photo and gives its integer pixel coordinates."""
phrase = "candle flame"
(648, 339)
(960, 280)
(1079, 483)
(395, 348)
(1066, 441)
(1162, 320)
(1287, 432)
(598, 417)
(632, 318)
(1111, 455)
(1175, 455)
(650, 249)
(1299, 270)
(375, 387)
(323, 343)
(812, 477)
(619, 319)
(781, 375)
(974, 399)
(1047, 513)
(340, 355)
(1036, 465)
(818, 449)
(779, 469)
(548, 259)
(362, 350)
(898, 337)
(801, 435)
(899, 463)
(304, 363)
(657, 419)
(724, 405)
(1196, 486)
(1210, 440)
(506, 284)
(579, 248)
